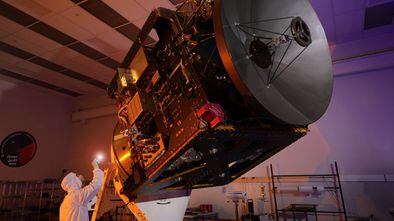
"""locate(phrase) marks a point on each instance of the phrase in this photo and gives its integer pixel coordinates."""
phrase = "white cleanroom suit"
(74, 206)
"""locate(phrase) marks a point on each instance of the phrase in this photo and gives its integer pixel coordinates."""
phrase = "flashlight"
(99, 158)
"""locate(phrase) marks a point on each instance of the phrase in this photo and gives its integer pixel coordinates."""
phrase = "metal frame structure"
(337, 187)
(29, 199)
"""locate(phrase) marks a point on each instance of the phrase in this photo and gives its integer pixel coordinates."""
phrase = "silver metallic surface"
(301, 94)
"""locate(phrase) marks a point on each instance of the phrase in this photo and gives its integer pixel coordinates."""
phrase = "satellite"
(229, 84)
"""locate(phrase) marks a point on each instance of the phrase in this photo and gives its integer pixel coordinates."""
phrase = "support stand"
(300, 211)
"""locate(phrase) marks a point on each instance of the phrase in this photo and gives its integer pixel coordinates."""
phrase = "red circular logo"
(17, 149)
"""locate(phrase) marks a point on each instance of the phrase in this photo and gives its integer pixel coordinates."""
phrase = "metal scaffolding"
(300, 211)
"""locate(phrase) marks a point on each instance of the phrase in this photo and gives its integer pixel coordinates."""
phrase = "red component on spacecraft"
(212, 113)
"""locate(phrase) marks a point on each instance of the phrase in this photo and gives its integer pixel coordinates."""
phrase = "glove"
(95, 164)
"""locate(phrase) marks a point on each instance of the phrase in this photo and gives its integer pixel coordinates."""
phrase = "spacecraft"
(228, 84)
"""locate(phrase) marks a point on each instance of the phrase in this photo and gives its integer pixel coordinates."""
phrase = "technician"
(74, 206)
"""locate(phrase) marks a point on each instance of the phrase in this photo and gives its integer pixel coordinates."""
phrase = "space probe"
(228, 84)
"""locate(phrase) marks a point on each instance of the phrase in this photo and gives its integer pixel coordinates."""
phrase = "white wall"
(43, 114)
(90, 137)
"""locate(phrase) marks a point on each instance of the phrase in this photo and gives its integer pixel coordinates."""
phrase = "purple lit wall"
(359, 124)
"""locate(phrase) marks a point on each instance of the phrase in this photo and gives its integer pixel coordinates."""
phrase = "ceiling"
(346, 20)
(72, 47)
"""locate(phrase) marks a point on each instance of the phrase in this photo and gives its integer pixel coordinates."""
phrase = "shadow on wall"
(4, 87)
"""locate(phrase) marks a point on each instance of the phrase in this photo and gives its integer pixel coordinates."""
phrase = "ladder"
(104, 202)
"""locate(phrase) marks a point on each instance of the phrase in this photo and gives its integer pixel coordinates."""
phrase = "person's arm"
(89, 191)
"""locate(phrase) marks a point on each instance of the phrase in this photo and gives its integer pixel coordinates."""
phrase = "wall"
(44, 115)
(90, 137)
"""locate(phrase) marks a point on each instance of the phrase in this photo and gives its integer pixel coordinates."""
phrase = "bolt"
(213, 151)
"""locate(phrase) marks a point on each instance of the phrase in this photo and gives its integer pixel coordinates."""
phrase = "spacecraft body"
(229, 84)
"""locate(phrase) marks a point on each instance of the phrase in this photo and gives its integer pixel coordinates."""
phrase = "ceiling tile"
(10, 49)
(104, 47)
(129, 30)
(85, 20)
(76, 61)
(344, 38)
(90, 68)
(117, 40)
(38, 39)
(12, 74)
(350, 22)
(128, 9)
(47, 64)
(54, 78)
(104, 12)
(75, 75)
(52, 33)
(30, 7)
(24, 45)
(9, 26)
(67, 82)
(149, 5)
(119, 56)
(8, 60)
(87, 51)
(16, 15)
(3, 33)
(379, 15)
(109, 62)
(12, 80)
(55, 6)
(60, 55)
(28, 82)
(26, 68)
(341, 6)
(383, 30)
(152, 34)
(64, 25)
(177, 2)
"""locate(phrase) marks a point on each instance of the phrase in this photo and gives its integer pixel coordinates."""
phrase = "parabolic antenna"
(276, 53)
